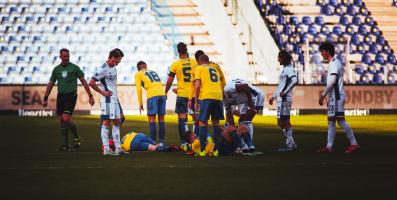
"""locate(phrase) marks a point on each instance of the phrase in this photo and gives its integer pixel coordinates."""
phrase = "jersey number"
(186, 74)
(152, 76)
(213, 75)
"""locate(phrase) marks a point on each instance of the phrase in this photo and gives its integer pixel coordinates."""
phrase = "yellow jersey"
(183, 69)
(149, 80)
(210, 82)
(221, 75)
(126, 141)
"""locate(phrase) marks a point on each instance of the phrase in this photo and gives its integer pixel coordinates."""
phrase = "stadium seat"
(380, 40)
(366, 59)
(373, 48)
(368, 40)
(377, 79)
(306, 20)
(391, 78)
(338, 10)
(337, 30)
(324, 30)
(351, 10)
(359, 69)
(312, 30)
(326, 10)
(344, 20)
(391, 59)
(294, 20)
(364, 79)
(356, 20)
(360, 48)
(358, 2)
(362, 29)
(349, 30)
(379, 59)
(319, 20)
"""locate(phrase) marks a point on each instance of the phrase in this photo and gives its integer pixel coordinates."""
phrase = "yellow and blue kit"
(155, 93)
(136, 142)
(183, 69)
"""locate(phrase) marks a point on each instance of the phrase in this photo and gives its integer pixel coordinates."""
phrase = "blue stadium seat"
(391, 78)
(351, 10)
(21, 28)
(338, 10)
(61, 9)
(380, 40)
(319, 20)
(358, 2)
(375, 31)
(306, 20)
(379, 59)
(4, 49)
(356, 20)
(355, 40)
(364, 79)
(364, 11)
(345, 2)
(294, 20)
(20, 58)
(362, 29)
(333, 2)
(349, 30)
(5, 19)
(312, 30)
(373, 48)
(344, 20)
(386, 49)
(299, 29)
(320, 2)
(369, 21)
(108, 9)
(359, 69)
(360, 48)
(13, 9)
(377, 79)
(281, 20)
(371, 69)
(324, 30)
(29, 19)
(366, 59)
(368, 40)
(337, 30)
(326, 10)
(391, 59)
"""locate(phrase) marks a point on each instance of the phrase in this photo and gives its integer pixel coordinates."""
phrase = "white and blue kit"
(110, 106)
(336, 96)
(287, 82)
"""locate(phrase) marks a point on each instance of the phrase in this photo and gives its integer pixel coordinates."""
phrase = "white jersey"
(285, 82)
(232, 97)
(107, 76)
(335, 68)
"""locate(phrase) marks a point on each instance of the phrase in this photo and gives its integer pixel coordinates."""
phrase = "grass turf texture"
(31, 167)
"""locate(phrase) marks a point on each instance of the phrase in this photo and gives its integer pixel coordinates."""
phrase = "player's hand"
(271, 100)
(189, 104)
(45, 103)
(282, 94)
(196, 107)
(107, 93)
(175, 90)
(91, 101)
(141, 109)
(321, 100)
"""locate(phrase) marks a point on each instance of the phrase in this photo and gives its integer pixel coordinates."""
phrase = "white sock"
(348, 131)
(186, 125)
(116, 136)
(290, 140)
(331, 133)
(105, 137)
(250, 129)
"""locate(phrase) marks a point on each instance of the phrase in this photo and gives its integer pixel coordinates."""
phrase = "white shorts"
(284, 109)
(259, 101)
(110, 110)
(336, 108)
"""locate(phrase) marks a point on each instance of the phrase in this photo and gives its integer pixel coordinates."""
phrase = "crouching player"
(140, 142)
(243, 100)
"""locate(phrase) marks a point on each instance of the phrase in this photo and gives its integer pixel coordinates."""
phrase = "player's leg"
(331, 128)
(285, 124)
(194, 118)
(105, 126)
(181, 109)
(203, 118)
(161, 102)
(340, 118)
(151, 113)
(216, 111)
(116, 126)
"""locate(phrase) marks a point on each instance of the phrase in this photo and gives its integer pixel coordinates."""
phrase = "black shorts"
(66, 103)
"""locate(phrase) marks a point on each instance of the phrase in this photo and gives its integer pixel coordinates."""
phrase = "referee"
(67, 74)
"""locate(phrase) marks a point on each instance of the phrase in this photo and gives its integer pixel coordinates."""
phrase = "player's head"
(190, 137)
(284, 58)
(114, 56)
(141, 65)
(121, 53)
(64, 55)
(198, 54)
(327, 50)
(203, 60)
(182, 48)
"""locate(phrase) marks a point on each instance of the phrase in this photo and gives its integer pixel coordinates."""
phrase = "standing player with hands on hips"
(336, 100)
(110, 108)
(67, 74)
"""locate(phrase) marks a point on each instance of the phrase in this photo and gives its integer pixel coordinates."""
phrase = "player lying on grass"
(231, 139)
(140, 142)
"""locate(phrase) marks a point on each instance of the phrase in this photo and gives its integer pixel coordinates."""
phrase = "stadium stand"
(33, 32)
(363, 33)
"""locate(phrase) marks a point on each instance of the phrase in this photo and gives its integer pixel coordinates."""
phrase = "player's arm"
(229, 115)
(138, 83)
(50, 85)
(171, 76)
(87, 89)
(197, 87)
(291, 85)
(94, 86)
(331, 81)
(222, 78)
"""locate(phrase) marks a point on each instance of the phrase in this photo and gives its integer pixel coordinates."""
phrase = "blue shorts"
(181, 105)
(227, 148)
(211, 107)
(141, 142)
(156, 105)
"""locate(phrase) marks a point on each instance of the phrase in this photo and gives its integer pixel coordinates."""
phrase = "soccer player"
(122, 117)
(182, 68)
(208, 90)
(336, 100)
(283, 94)
(110, 108)
(214, 65)
(133, 141)
(155, 99)
(244, 100)
(67, 73)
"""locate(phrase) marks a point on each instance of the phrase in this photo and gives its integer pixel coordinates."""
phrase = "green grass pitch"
(32, 168)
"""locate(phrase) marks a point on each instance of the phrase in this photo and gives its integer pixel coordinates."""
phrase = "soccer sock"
(203, 137)
(64, 132)
(250, 128)
(73, 129)
(116, 136)
(161, 131)
(290, 140)
(105, 137)
(182, 129)
(248, 140)
(331, 133)
(196, 127)
(217, 136)
(153, 130)
(348, 131)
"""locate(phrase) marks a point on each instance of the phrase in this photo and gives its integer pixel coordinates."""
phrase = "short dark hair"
(140, 63)
(182, 48)
(204, 59)
(121, 52)
(115, 53)
(287, 56)
(328, 47)
(63, 50)
(198, 54)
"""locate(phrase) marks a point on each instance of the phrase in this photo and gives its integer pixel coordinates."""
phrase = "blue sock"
(247, 139)
(203, 137)
(162, 131)
(153, 130)
(196, 128)
(217, 136)
(182, 130)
